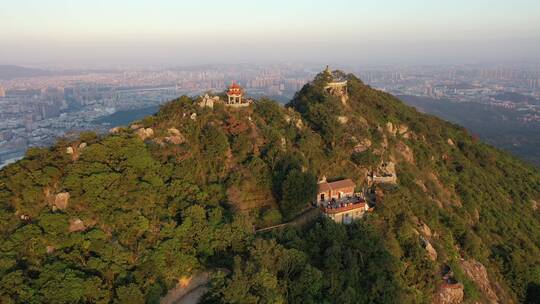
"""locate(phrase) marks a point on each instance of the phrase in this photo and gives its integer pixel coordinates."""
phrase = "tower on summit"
(327, 70)
(337, 86)
(235, 95)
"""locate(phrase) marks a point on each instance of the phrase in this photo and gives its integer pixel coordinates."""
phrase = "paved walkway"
(306, 216)
(193, 296)
(190, 292)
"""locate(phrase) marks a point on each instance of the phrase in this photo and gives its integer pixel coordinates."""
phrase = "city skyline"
(209, 32)
(38, 108)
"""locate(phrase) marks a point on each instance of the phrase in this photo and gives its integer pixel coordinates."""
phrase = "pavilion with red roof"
(235, 94)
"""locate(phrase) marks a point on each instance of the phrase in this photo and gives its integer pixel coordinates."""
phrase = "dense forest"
(128, 216)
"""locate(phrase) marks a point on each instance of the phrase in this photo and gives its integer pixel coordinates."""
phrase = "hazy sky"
(51, 32)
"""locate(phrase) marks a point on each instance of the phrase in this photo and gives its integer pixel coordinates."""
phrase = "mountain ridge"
(180, 192)
(14, 71)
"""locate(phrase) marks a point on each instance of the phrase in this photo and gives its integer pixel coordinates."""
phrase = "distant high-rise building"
(28, 122)
(2, 92)
(532, 84)
(428, 90)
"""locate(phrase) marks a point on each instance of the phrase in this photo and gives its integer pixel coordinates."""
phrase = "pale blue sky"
(193, 32)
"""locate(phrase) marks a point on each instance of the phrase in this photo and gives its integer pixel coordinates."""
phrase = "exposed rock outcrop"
(449, 294)
(76, 224)
(391, 128)
(408, 135)
(76, 150)
(145, 133)
(478, 274)
(425, 230)
(61, 201)
(449, 291)
(343, 119)
(476, 215)
(402, 129)
(363, 145)
(362, 121)
(421, 184)
(115, 130)
(431, 252)
(287, 118)
(208, 101)
(294, 119)
(175, 137)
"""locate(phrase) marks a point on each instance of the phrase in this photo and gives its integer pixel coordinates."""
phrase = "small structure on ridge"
(337, 86)
(385, 174)
(235, 95)
(338, 201)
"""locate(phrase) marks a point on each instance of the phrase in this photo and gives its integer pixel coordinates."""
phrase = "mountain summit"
(226, 200)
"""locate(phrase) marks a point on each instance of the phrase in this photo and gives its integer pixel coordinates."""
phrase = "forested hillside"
(128, 216)
(497, 126)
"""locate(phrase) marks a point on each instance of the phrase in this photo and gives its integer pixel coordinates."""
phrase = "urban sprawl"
(34, 111)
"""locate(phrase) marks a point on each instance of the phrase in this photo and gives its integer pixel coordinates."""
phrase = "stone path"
(193, 296)
(188, 292)
(306, 216)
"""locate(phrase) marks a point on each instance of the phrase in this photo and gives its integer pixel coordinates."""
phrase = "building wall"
(344, 192)
(384, 179)
(335, 193)
(326, 194)
(347, 217)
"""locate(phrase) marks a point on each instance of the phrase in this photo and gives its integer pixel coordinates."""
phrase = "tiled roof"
(337, 185)
(324, 187)
(235, 86)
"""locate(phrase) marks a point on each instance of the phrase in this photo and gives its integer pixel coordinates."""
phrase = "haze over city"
(278, 151)
(101, 33)
(70, 66)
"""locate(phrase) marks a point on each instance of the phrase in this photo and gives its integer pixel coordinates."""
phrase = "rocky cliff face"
(478, 274)
(449, 294)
